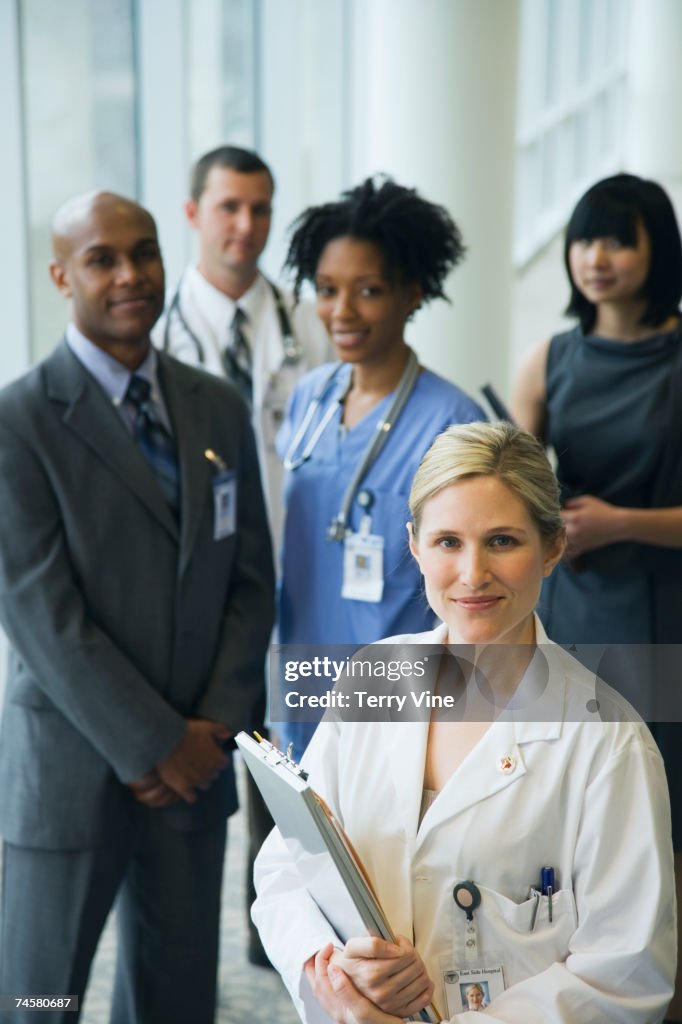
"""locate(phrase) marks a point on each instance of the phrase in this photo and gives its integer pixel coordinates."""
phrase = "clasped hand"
(370, 981)
(590, 523)
(194, 764)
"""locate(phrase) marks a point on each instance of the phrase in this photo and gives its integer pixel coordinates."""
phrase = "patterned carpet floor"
(245, 992)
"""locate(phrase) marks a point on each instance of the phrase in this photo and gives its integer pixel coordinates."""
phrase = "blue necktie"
(237, 357)
(154, 441)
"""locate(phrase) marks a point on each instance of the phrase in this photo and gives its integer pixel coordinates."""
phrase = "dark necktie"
(154, 440)
(237, 357)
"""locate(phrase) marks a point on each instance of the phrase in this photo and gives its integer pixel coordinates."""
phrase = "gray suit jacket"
(120, 625)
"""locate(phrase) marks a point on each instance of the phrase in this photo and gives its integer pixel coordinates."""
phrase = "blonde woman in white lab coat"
(431, 804)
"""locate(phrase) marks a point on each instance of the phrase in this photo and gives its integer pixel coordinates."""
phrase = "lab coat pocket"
(524, 941)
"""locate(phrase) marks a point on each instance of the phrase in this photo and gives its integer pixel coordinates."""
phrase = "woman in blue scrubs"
(356, 430)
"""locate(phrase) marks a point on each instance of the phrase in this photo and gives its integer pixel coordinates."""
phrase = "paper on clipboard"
(329, 867)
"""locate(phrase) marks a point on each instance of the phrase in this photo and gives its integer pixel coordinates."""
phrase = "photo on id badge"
(363, 566)
(224, 505)
(472, 988)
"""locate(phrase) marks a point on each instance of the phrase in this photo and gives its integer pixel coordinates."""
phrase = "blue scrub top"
(311, 608)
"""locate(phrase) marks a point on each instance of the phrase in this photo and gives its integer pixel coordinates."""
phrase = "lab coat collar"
(495, 764)
(497, 761)
(262, 328)
(218, 308)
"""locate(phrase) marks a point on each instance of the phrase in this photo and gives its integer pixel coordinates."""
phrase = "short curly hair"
(419, 241)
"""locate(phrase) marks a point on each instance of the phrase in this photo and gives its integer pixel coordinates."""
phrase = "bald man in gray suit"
(136, 592)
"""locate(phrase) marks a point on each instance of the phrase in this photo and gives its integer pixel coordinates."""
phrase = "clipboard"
(329, 866)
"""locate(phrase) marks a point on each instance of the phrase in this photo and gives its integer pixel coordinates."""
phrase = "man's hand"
(338, 996)
(391, 976)
(197, 760)
(152, 792)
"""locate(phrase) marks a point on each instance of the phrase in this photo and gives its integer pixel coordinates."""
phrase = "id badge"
(472, 988)
(224, 504)
(363, 565)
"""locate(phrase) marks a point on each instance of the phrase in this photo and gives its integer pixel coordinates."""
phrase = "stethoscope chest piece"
(293, 352)
(365, 499)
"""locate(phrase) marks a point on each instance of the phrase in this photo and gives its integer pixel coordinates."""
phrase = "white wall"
(13, 243)
(434, 100)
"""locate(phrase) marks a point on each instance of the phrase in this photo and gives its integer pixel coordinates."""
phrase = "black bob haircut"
(419, 241)
(612, 209)
(233, 158)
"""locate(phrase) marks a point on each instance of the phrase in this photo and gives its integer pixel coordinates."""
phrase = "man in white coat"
(227, 317)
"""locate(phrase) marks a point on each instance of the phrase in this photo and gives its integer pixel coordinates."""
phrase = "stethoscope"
(293, 351)
(299, 453)
(294, 459)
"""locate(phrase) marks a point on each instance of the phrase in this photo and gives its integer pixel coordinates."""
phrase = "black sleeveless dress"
(614, 419)
(608, 406)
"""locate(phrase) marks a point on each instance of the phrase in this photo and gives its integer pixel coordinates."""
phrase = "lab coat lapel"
(495, 764)
(89, 414)
(190, 427)
(405, 744)
(404, 740)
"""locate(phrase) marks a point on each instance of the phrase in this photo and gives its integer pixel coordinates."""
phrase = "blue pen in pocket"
(547, 887)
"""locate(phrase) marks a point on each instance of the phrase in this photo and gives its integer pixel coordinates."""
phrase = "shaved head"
(107, 263)
(75, 215)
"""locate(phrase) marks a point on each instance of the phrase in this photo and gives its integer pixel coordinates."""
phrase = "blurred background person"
(606, 396)
(356, 430)
(228, 317)
(153, 609)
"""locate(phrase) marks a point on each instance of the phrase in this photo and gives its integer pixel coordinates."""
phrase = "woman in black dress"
(607, 396)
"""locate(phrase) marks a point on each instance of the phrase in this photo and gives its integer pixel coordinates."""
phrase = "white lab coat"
(208, 313)
(586, 797)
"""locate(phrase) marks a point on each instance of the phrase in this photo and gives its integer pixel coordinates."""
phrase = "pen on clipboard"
(282, 758)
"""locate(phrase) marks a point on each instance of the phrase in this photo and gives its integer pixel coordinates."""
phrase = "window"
(571, 100)
(78, 88)
(221, 58)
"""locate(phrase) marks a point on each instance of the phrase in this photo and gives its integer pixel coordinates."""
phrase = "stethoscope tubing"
(339, 525)
(293, 351)
(293, 462)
